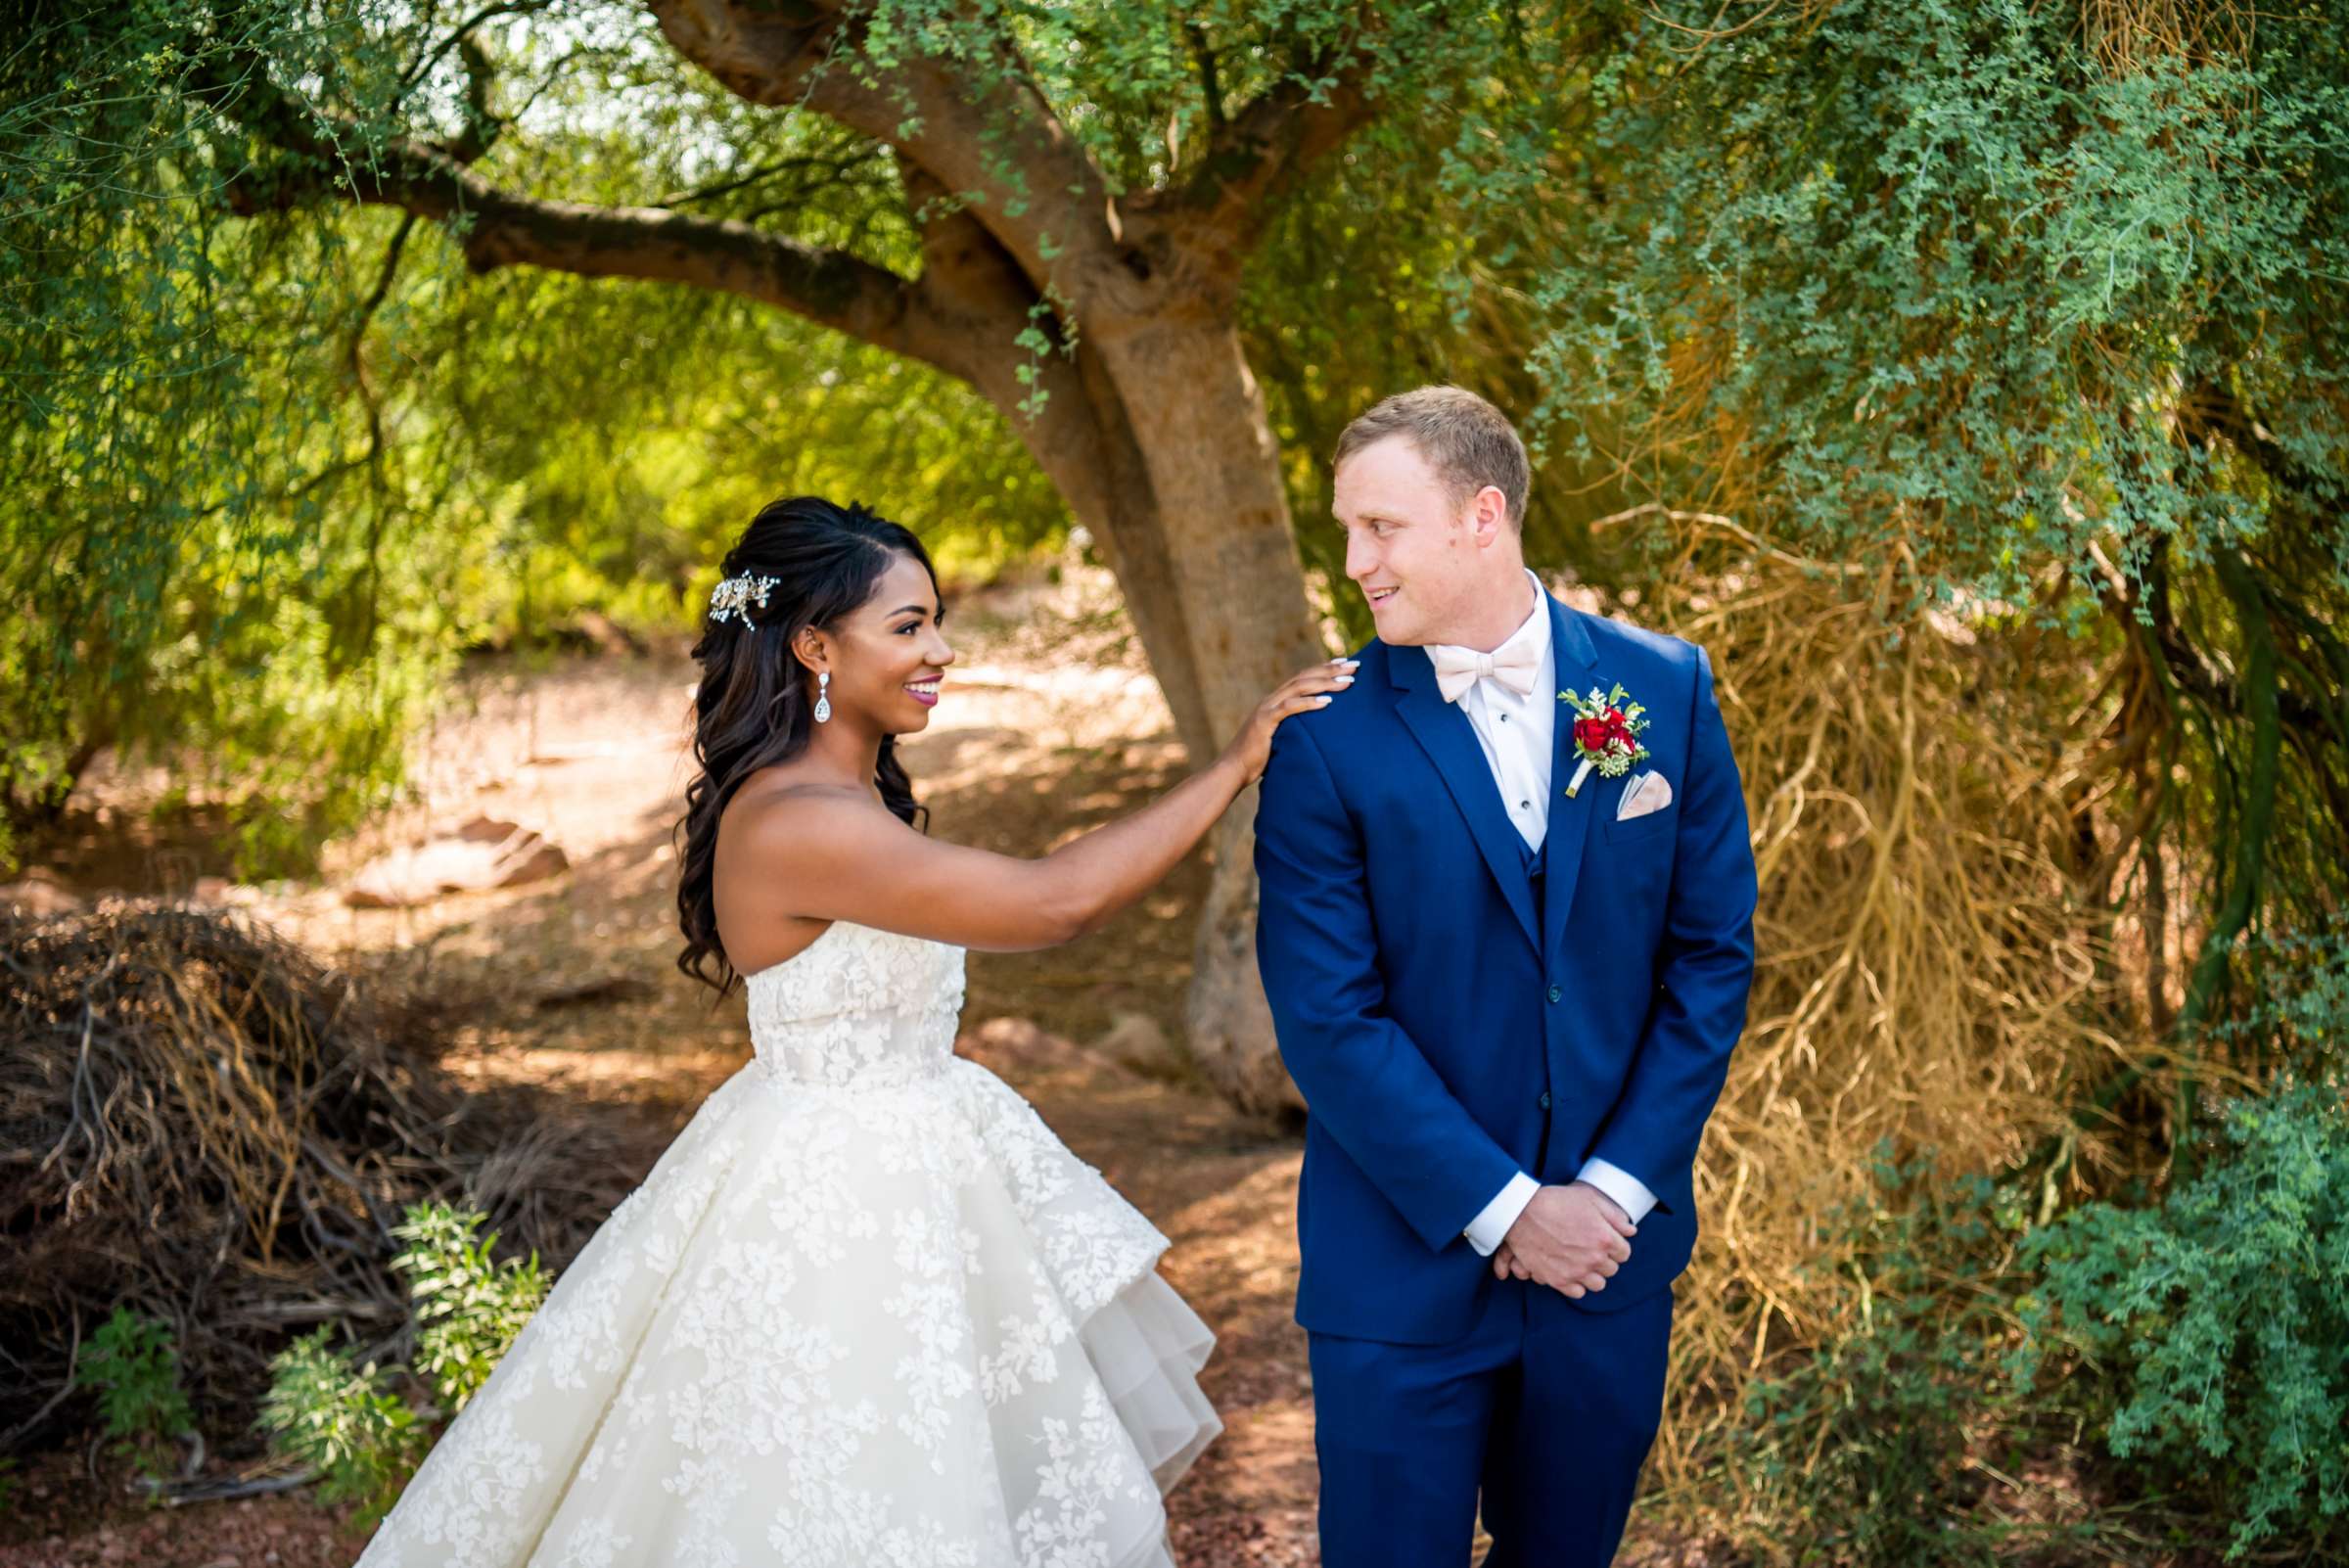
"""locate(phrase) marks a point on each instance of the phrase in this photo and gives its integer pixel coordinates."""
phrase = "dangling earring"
(823, 697)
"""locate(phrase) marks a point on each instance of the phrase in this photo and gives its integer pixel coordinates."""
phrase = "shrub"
(2217, 1324)
(2299, 1013)
(1858, 1442)
(133, 1364)
(344, 1420)
(469, 1307)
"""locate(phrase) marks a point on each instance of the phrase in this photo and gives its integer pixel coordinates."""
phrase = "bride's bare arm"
(834, 854)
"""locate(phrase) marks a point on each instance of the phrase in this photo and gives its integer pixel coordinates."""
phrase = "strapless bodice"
(858, 1008)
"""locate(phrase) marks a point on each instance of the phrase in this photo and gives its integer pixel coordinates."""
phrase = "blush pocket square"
(1650, 792)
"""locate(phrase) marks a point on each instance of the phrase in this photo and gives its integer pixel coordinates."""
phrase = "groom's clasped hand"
(1571, 1238)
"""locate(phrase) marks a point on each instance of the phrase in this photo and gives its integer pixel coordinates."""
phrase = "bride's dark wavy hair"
(754, 705)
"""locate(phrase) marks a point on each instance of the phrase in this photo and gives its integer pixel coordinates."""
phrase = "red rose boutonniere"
(1606, 735)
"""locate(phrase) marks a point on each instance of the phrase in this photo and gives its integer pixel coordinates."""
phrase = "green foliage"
(467, 1306)
(1953, 275)
(626, 432)
(1409, 259)
(347, 1420)
(2215, 1328)
(208, 559)
(133, 1364)
(2298, 1020)
(1858, 1444)
(2205, 1339)
(264, 472)
(2039, 314)
(343, 1420)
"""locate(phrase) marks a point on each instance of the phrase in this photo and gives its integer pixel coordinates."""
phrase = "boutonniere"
(1606, 735)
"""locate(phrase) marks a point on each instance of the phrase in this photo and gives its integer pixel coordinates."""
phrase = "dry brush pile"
(1928, 970)
(202, 1122)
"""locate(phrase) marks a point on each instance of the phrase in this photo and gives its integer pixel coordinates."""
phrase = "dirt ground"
(1048, 725)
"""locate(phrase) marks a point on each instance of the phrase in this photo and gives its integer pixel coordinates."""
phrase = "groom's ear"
(1489, 513)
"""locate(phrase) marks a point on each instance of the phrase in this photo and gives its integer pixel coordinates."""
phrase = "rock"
(1135, 1041)
(602, 632)
(601, 988)
(39, 892)
(1017, 1046)
(485, 853)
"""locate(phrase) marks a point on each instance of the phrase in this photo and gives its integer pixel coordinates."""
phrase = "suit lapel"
(1450, 741)
(1569, 820)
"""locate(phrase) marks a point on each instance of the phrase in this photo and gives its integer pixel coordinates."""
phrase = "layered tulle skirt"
(888, 1323)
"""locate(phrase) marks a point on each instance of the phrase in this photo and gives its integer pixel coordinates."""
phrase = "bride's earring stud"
(823, 696)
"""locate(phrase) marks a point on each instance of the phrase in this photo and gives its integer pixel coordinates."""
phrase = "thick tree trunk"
(1176, 473)
(1122, 510)
(1220, 516)
(1081, 438)
(1229, 1023)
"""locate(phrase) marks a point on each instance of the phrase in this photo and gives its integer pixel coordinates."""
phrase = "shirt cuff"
(1630, 1193)
(1489, 1229)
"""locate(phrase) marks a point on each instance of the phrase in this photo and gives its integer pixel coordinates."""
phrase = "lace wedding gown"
(866, 1310)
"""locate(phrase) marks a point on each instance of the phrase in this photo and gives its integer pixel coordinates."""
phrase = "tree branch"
(481, 124)
(1055, 223)
(1211, 84)
(499, 228)
(2210, 405)
(1269, 148)
(2187, 665)
(464, 31)
(837, 168)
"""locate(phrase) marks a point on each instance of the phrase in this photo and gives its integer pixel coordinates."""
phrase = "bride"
(868, 1309)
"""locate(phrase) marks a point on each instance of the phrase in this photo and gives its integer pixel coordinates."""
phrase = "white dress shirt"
(1517, 734)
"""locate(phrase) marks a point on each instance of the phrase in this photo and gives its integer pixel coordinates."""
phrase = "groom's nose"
(1360, 559)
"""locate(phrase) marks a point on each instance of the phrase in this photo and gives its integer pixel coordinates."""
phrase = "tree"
(1054, 207)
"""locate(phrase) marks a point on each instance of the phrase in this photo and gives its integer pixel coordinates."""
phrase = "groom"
(1508, 989)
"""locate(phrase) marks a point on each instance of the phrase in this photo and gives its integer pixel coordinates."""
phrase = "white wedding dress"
(866, 1310)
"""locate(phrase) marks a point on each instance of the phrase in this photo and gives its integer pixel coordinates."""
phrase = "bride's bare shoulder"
(780, 804)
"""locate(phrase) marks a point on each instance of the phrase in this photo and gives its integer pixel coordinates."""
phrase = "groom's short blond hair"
(1465, 439)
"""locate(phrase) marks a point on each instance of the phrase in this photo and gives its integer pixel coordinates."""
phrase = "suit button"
(1546, 1099)
(1555, 993)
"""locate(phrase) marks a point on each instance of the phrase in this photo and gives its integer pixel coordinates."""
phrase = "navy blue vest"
(1536, 867)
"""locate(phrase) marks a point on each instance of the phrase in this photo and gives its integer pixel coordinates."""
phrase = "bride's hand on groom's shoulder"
(1570, 1238)
(1309, 689)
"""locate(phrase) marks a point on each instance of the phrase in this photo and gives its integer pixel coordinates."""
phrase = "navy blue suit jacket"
(1443, 1037)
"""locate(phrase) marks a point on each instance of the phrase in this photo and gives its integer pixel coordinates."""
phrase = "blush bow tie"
(1458, 669)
